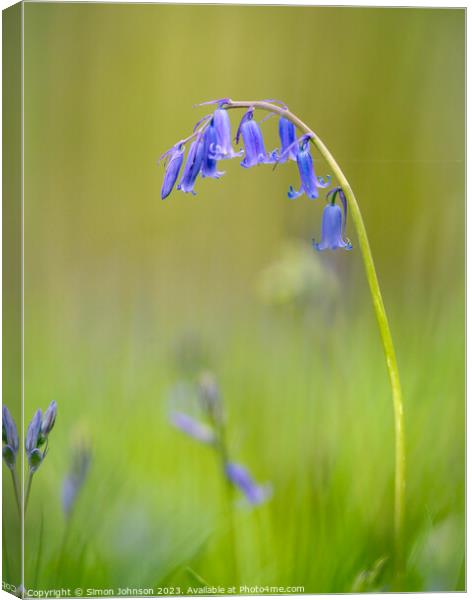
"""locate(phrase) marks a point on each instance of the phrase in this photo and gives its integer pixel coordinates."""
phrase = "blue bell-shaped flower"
(210, 145)
(192, 166)
(309, 181)
(288, 138)
(333, 225)
(255, 152)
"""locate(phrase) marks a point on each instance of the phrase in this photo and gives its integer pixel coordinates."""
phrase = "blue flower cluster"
(211, 141)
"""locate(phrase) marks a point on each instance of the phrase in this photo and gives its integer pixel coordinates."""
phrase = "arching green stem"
(379, 308)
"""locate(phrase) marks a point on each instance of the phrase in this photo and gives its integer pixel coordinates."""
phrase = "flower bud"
(49, 419)
(33, 432)
(9, 430)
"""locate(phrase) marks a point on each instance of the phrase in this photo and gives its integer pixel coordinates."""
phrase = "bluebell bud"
(10, 438)
(33, 432)
(37, 435)
(174, 157)
(48, 419)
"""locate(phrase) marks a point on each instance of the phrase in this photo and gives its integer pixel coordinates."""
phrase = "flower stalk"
(16, 490)
(380, 313)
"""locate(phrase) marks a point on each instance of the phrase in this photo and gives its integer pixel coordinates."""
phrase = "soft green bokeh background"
(116, 280)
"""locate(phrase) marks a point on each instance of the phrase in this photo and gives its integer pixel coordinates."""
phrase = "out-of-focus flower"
(74, 480)
(333, 224)
(309, 181)
(240, 477)
(199, 431)
(184, 397)
(214, 434)
(295, 279)
(10, 439)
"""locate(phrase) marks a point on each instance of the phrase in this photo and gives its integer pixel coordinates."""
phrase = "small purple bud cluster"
(10, 439)
(37, 436)
(212, 433)
(212, 141)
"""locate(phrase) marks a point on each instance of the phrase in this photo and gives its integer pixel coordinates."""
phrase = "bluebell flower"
(174, 157)
(288, 138)
(240, 477)
(333, 224)
(193, 166)
(309, 181)
(192, 427)
(255, 152)
(222, 125)
(210, 146)
(10, 438)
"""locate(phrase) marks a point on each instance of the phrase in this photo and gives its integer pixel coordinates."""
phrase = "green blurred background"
(126, 295)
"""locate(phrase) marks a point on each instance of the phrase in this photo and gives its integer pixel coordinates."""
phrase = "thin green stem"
(28, 489)
(229, 498)
(65, 536)
(381, 315)
(16, 489)
(39, 551)
(6, 560)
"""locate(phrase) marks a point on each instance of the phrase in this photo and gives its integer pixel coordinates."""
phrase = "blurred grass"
(312, 416)
(115, 279)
